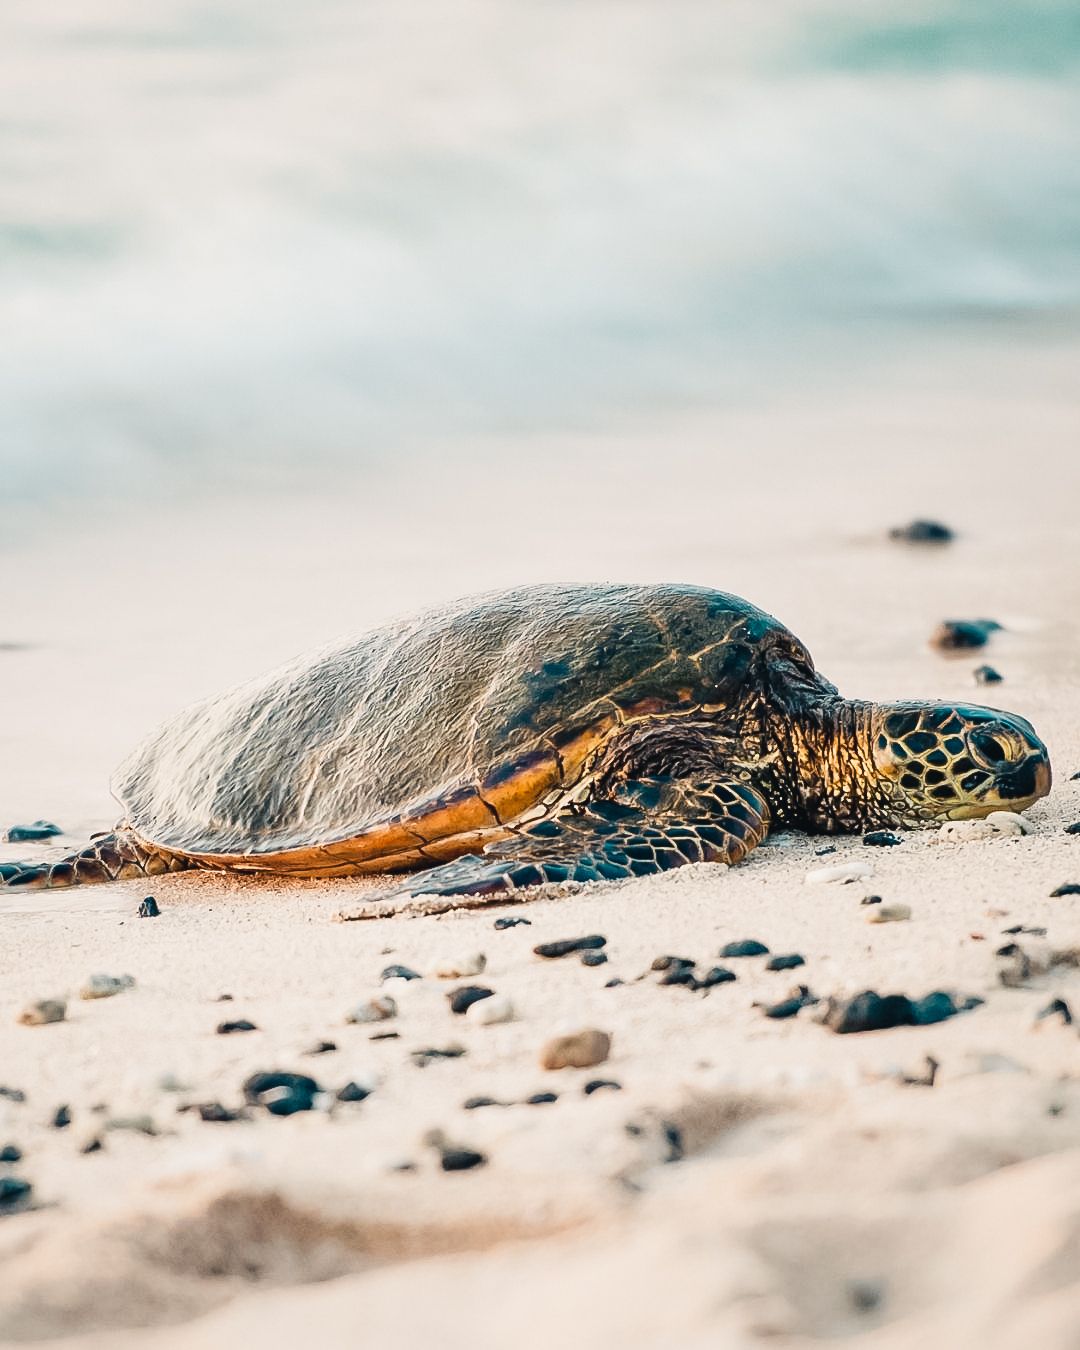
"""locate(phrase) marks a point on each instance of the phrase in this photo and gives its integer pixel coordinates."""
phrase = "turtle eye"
(992, 747)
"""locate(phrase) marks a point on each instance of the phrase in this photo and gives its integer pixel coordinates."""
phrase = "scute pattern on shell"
(428, 721)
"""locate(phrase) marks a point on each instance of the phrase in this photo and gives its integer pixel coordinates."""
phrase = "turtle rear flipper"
(654, 826)
(112, 857)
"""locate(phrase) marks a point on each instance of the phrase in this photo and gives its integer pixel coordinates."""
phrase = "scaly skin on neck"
(827, 754)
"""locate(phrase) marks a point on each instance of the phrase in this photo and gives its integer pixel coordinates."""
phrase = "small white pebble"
(888, 914)
(845, 872)
(105, 986)
(997, 825)
(456, 967)
(378, 1009)
(488, 1011)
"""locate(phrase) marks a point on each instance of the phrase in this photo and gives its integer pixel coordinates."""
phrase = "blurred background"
(316, 311)
(246, 242)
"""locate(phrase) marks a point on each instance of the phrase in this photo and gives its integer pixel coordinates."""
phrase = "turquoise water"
(262, 237)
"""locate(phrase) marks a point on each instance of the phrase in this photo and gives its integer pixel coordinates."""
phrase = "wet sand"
(817, 1194)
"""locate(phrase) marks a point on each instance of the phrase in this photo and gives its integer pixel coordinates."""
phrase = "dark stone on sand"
(1020, 928)
(511, 921)
(422, 1058)
(94, 1145)
(12, 1094)
(229, 1028)
(922, 532)
(281, 1093)
(882, 839)
(61, 1118)
(400, 973)
(679, 975)
(716, 975)
(215, 1113)
(385, 1036)
(865, 1295)
(461, 1000)
(614, 983)
(987, 675)
(670, 962)
(785, 962)
(787, 1007)
(10, 1154)
(461, 1159)
(568, 945)
(32, 834)
(1073, 777)
(935, 1007)
(1057, 1007)
(676, 1150)
(541, 1098)
(823, 852)
(149, 908)
(322, 1048)
(594, 958)
(596, 1084)
(14, 1194)
(1069, 888)
(748, 947)
(959, 635)
(868, 1011)
(474, 1103)
(1074, 828)
(870, 900)
(353, 1092)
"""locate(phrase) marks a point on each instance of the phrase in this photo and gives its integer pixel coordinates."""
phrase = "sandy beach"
(749, 1180)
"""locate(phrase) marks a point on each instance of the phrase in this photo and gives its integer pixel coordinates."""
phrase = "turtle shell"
(427, 737)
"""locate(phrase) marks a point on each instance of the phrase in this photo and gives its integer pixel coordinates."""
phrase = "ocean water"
(256, 240)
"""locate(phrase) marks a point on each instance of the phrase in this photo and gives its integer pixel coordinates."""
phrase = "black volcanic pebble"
(385, 1036)
(716, 975)
(10, 1154)
(541, 1098)
(511, 921)
(215, 1113)
(400, 973)
(749, 947)
(461, 1000)
(614, 983)
(1074, 828)
(870, 900)
(422, 1058)
(149, 908)
(322, 1048)
(922, 532)
(32, 834)
(353, 1092)
(1057, 1007)
(787, 1007)
(1021, 928)
(882, 839)
(594, 958)
(1073, 777)
(94, 1145)
(957, 635)
(673, 1138)
(987, 675)
(461, 1159)
(241, 1024)
(61, 1118)
(283, 1094)
(568, 945)
(870, 1011)
(474, 1103)
(670, 962)
(785, 962)
(14, 1194)
(1069, 888)
(679, 975)
(12, 1094)
(595, 1084)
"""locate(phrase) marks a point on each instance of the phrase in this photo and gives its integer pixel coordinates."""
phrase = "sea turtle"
(561, 733)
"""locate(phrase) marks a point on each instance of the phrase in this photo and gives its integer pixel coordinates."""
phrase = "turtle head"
(955, 762)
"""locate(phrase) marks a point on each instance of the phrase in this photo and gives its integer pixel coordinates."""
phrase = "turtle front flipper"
(652, 826)
(112, 857)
